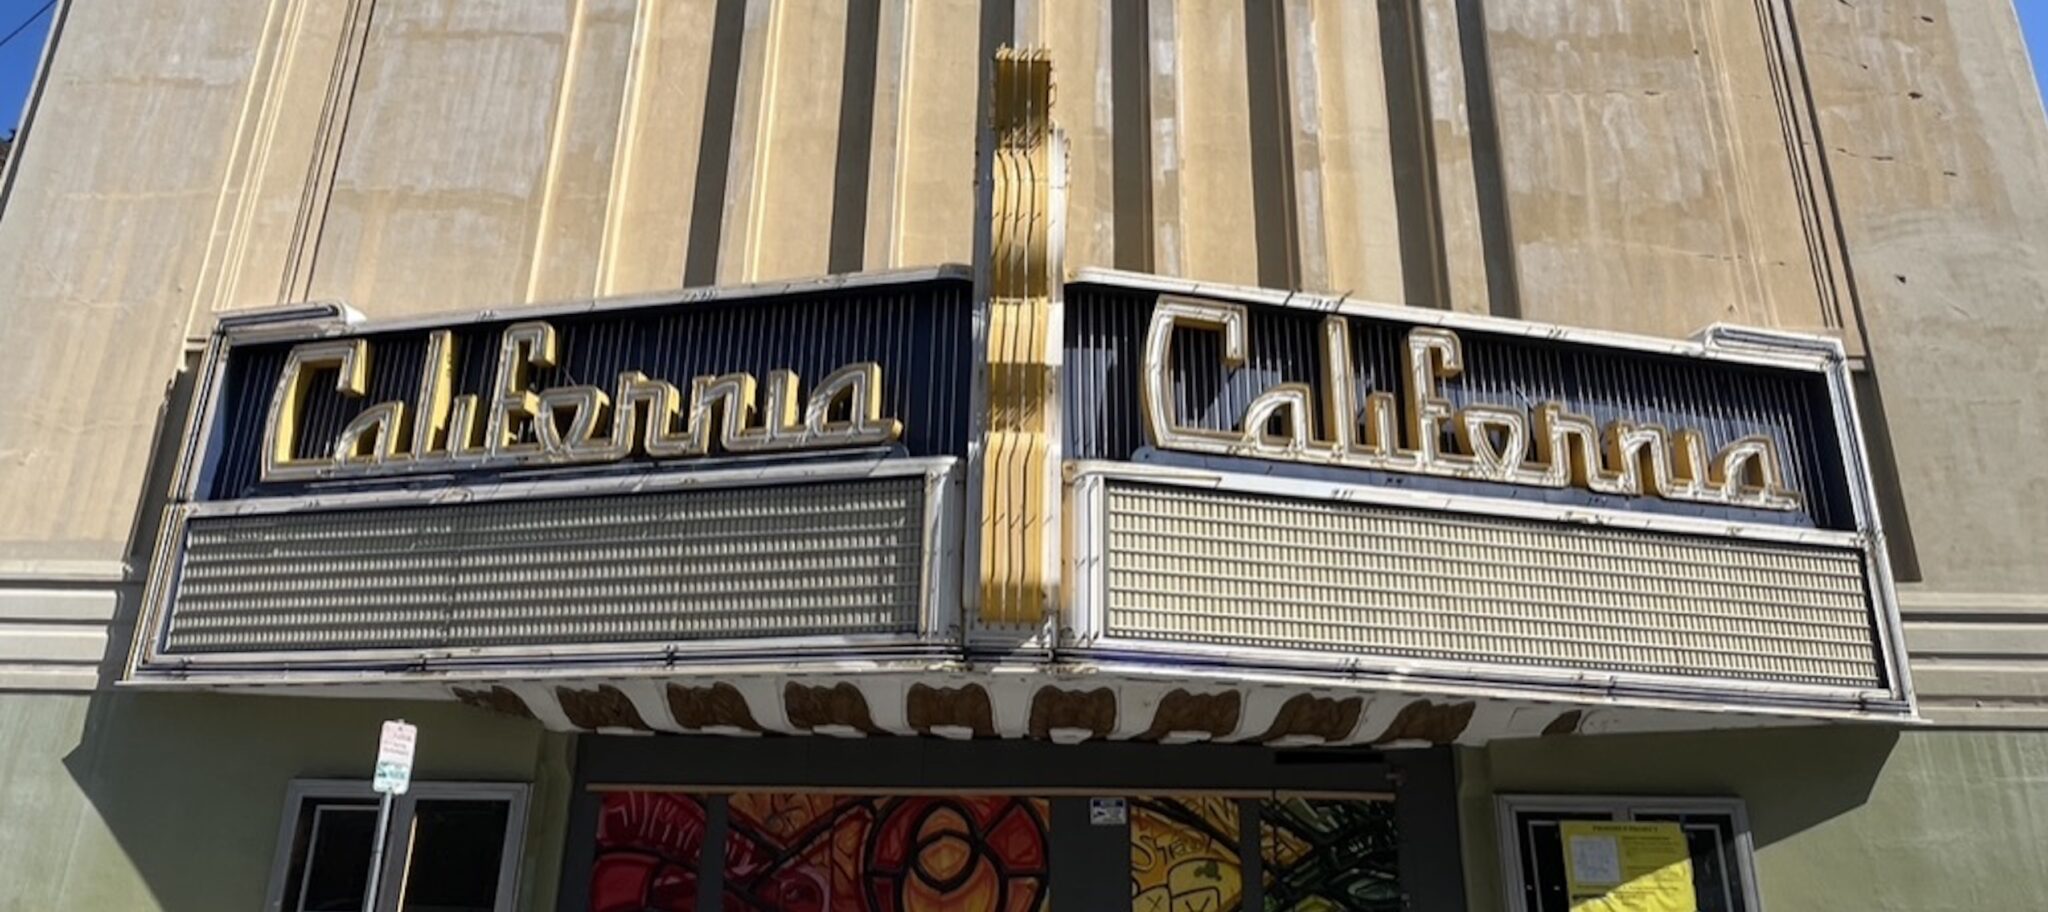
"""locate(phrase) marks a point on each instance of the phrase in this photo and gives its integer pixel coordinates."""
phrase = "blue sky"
(2034, 21)
(18, 57)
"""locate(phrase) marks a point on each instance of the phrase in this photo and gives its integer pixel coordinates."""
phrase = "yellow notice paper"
(1627, 867)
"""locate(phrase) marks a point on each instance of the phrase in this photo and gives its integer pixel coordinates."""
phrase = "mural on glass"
(1315, 855)
(847, 853)
(808, 852)
(1322, 855)
(647, 849)
(794, 852)
(1184, 855)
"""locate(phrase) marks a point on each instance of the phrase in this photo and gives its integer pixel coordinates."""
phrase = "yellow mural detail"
(1184, 855)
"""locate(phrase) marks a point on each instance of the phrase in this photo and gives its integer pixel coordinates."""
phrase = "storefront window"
(452, 847)
(458, 851)
(1325, 853)
(330, 855)
(1714, 831)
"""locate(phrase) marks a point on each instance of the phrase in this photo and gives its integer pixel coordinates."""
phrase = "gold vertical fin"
(1016, 498)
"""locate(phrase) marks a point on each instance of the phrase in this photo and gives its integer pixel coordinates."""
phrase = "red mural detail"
(647, 849)
(787, 852)
(958, 854)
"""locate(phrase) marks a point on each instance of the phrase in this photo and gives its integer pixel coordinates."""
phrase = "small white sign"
(1107, 812)
(1596, 860)
(394, 757)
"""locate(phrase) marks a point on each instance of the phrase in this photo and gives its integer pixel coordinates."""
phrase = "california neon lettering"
(1546, 446)
(518, 425)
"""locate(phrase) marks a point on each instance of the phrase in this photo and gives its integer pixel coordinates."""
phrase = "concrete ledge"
(53, 628)
(1979, 659)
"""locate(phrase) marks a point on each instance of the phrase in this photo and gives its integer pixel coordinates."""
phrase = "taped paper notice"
(1596, 860)
(1627, 867)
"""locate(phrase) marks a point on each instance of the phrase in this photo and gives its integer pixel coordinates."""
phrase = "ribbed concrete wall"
(1875, 171)
(1937, 152)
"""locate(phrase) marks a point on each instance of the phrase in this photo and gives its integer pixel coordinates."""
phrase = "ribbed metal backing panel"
(1212, 567)
(834, 558)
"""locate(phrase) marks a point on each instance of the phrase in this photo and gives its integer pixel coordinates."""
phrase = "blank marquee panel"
(842, 558)
(1203, 566)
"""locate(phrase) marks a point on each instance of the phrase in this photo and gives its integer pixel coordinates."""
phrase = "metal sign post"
(392, 777)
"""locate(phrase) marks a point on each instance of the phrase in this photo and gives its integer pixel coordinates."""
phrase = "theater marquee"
(864, 488)
(1013, 501)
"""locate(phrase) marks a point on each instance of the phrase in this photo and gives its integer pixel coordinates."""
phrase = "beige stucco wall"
(1649, 167)
(1650, 182)
(108, 220)
(1873, 172)
(1938, 152)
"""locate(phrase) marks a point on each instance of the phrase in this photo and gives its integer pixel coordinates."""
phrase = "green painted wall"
(153, 801)
(150, 801)
(1875, 820)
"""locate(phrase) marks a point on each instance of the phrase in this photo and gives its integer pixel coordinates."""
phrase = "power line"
(38, 14)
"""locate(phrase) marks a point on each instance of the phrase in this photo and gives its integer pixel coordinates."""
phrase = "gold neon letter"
(350, 361)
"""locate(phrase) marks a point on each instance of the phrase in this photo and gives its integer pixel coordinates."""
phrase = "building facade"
(963, 455)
